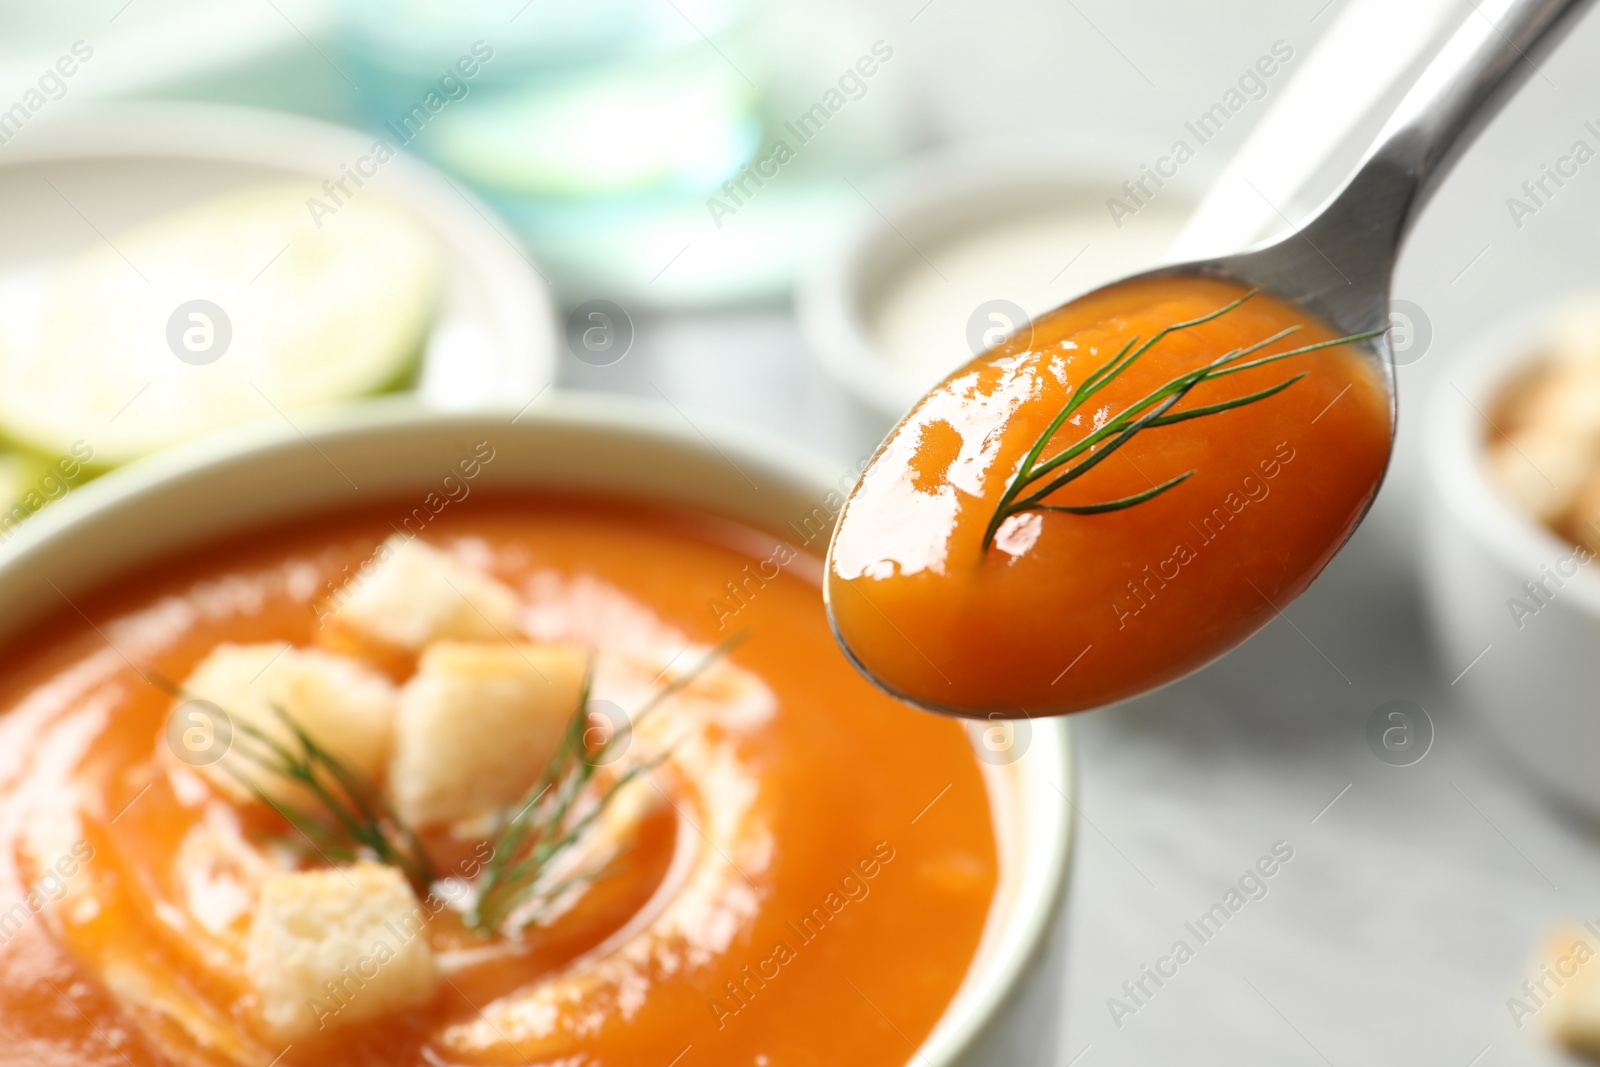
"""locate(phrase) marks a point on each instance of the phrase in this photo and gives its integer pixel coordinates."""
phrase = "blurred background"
(795, 217)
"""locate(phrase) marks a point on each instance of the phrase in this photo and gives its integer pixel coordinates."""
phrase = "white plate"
(75, 177)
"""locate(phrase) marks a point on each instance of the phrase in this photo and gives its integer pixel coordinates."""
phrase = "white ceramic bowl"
(1007, 1010)
(1535, 679)
(121, 164)
(930, 243)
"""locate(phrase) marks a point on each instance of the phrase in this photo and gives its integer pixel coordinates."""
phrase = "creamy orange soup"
(1060, 611)
(809, 887)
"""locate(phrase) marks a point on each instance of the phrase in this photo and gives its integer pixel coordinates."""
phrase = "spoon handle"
(1482, 63)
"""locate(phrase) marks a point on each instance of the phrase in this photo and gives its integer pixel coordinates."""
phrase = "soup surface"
(773, 906)
(1051, 610)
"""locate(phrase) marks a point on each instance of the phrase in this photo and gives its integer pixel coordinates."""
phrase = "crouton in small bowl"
(1512, 532)
(411, 738)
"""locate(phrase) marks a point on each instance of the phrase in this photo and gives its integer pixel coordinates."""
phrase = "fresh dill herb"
(522, 869)
(347, 820)
(354, 821)
(1149, 412)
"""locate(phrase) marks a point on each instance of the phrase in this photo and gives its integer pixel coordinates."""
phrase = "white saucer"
(73, 177)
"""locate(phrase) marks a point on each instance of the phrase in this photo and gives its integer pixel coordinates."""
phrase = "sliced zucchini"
(18, 475)
(252, 305)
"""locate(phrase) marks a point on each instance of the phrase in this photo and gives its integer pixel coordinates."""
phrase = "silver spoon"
(1339, 264)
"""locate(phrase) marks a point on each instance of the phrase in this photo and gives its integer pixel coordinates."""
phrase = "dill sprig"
(1150, 411)
(523, 868)
(348, 819)
(354, 821)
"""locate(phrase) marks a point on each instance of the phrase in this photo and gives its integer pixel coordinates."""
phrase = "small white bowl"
(494, 338)
(1007, 1010)
(888, 311)
(1535, 679)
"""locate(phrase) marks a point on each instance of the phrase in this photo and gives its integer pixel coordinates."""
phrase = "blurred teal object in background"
(666, 127)
(580, 99)
(608, 111)
(607, 131)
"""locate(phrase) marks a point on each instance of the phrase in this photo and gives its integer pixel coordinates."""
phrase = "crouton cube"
(1541, 471)
(1574, 1008)
(1546, 444)
(1581, 523)
(337, 946)
(477, 725)
(415, 594)
(343, 705)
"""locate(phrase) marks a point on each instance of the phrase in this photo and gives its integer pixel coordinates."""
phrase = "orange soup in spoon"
(1106, 501)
